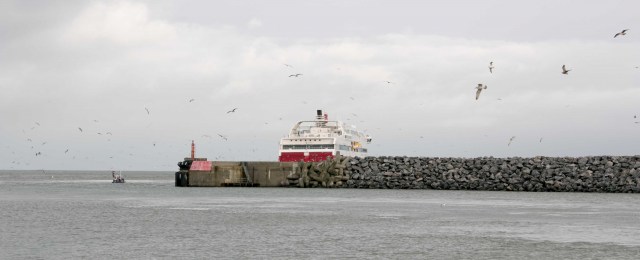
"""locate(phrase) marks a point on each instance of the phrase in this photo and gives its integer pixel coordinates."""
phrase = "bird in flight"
(479, 89)
(540, 139)
(223, 137)
(37, 123)
(38, 153)
(565, 70)
(511, 140)
(388, 82)
(66, 151)
(232, 110)
(491, 67)
(80, 129)
(624, 32)
(147, 110)
(191, 100)
(287, 65)
(295, 75)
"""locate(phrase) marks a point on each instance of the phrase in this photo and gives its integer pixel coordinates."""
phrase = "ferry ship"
(313, 141)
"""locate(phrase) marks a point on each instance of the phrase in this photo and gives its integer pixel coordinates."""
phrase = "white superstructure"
(316, 140)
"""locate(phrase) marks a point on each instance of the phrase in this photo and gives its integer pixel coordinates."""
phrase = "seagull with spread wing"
(624, 32)
(232, 110)
(565, 71)
(479, 89)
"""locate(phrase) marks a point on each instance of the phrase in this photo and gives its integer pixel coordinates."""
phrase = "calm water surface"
(63, 215)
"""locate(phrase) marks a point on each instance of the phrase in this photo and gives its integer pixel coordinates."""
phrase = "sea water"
(81, 214)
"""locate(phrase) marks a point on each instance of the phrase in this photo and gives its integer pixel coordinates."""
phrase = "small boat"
(117, 178)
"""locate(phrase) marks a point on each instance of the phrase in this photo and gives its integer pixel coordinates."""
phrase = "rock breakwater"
(560, 174)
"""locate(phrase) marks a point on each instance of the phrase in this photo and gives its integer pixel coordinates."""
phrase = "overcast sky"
(97, 65)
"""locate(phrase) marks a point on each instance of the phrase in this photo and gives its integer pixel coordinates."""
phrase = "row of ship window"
(321, 146)
(307, 146)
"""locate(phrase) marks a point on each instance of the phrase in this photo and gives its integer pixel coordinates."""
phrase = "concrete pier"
(233, 174)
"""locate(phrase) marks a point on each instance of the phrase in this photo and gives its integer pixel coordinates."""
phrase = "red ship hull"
(298, 156)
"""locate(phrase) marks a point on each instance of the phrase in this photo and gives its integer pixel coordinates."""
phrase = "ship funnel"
(319, 114)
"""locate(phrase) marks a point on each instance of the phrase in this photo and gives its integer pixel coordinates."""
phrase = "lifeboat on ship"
(317, 140)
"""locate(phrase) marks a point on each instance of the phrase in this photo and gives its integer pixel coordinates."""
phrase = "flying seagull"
(223, 137)
(232, 110)
(565, 70)
(80, 129)
(540, 139)
(66, 151)
(479, 88)
(191, 100)
(147, 110)
(287, 65)
(388, 82)
(295, 75)
(37, 123)
(511, 140)
(491, 67)
(624, 32)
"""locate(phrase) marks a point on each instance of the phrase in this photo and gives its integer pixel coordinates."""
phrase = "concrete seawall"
(568, 174)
